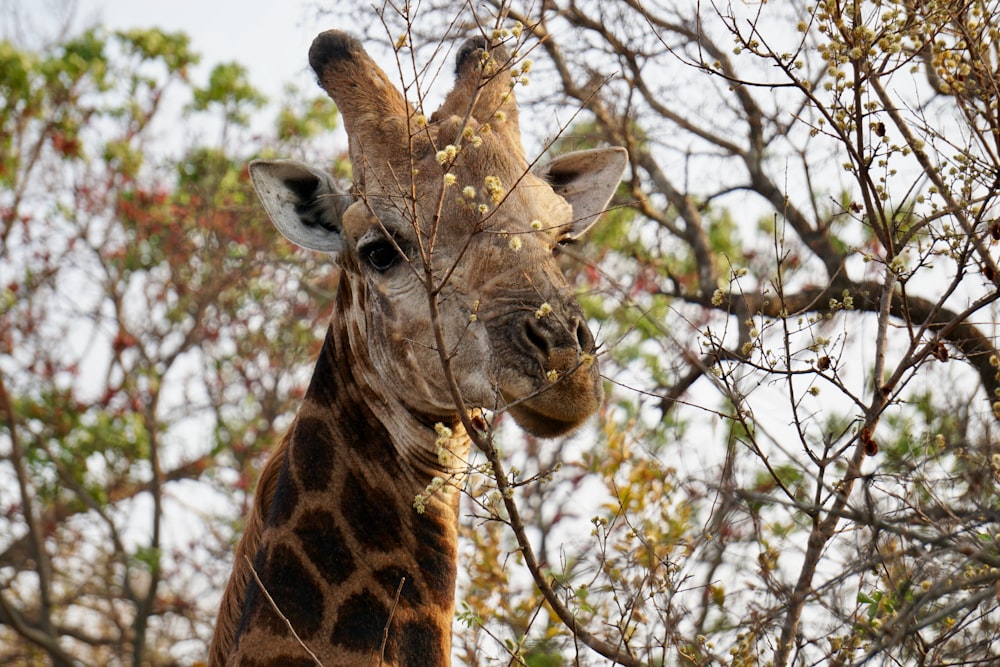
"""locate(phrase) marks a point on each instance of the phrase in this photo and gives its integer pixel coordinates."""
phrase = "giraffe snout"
(565, 387)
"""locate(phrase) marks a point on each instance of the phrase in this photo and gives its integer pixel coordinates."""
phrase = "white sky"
(269, 37)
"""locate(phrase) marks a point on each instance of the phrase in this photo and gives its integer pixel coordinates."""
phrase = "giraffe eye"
(558, 247)
(381, 255)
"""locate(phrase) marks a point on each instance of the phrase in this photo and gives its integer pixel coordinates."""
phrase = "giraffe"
(446, 242)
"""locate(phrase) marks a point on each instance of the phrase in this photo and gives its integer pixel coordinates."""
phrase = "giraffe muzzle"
(568, 389)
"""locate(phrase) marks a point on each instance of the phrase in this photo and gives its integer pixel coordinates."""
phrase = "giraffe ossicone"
(425, 239)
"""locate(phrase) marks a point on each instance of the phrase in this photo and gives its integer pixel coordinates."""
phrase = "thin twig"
(388, 622)
(274, 605)
(43, 564)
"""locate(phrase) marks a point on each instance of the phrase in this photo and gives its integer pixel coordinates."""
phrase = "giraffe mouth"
(562, 402)
(543, 425)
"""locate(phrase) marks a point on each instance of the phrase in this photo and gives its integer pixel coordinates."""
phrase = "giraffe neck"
(362, 577)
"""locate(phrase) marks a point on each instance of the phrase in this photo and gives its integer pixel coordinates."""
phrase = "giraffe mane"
(231, 607)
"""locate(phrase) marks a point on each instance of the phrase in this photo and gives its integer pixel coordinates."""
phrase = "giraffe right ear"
(587, 180)
(304, 203)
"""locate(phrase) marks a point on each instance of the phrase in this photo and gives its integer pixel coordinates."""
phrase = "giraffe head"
(449, 208)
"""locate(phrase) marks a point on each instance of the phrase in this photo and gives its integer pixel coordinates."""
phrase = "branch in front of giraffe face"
(482, 439)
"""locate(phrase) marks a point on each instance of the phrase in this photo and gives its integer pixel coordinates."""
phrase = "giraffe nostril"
(536, 337)
(545, 337)
(584, 338)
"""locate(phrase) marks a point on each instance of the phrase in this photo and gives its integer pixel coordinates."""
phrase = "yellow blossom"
(442, 431)
(447, 154)
(445, 457)
(495, 188)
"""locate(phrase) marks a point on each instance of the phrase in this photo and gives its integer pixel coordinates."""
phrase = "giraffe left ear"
(304, 203)
(587, 180)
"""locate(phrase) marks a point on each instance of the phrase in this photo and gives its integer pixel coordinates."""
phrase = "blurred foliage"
(151, 332)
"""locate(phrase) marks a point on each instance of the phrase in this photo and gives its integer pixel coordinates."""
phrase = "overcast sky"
(271, 38)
